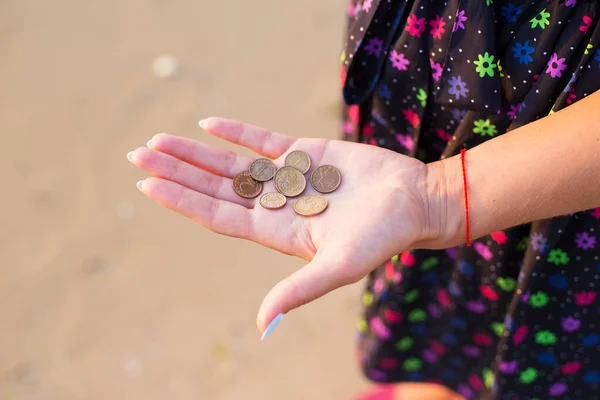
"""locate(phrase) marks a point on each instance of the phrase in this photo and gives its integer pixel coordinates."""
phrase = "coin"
(325, 179)
(310, 205)
(299, 160)
(262, 169)
(245, 186)
(289, 181)
(272, 201)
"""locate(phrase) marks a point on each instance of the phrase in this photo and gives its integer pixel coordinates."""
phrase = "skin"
(424, 391)
(548, 168)
(387, 203)
(194, 180)
(410, 390)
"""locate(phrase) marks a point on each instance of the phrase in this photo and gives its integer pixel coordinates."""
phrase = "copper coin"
(272, 201)
(245, 186)
(262, 169)
(325, 179)
(289, 181)
(299, 160)
(310, 205)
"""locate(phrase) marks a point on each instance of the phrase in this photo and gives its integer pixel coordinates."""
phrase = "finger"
(218, 161)
(168, 167)
(316, 279)
(262, 141)
(217, 215)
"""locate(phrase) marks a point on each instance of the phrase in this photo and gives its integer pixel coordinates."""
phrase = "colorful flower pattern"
(485, 65)
(523, 52)
(516, 315)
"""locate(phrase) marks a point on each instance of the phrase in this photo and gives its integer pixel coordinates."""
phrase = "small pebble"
(132, 367)
(18, 372)
(220, 352)
(94, 265)
(165, 66)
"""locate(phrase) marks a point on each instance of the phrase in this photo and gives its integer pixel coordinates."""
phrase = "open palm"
(379, 209)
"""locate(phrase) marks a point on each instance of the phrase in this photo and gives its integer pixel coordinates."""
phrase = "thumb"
(314, 280)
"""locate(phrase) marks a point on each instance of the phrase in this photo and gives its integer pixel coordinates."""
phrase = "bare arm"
(386, 203)
(547, 168)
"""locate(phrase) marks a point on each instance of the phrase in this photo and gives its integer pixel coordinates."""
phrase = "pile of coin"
(289, 181)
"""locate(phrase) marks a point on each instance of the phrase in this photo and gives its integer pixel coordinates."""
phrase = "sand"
(106, 295)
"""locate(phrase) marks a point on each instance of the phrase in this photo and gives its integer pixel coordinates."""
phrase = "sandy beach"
(103, 293)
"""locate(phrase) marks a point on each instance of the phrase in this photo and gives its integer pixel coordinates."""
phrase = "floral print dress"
(517, 314)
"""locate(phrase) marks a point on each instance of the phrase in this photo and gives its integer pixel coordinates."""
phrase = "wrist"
(445, 204)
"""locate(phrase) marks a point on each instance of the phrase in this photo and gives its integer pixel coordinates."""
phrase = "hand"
(381, 208)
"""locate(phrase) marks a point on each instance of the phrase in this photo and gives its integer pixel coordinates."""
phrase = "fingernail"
(272, 326)
(201, 123)
(149, 143)
(130, 156)
(139, 184)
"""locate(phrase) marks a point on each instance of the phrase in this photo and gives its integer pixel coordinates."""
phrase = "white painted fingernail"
(272, 326)
(149, 143)
(201, 123)
(130, 156)
(139, 184)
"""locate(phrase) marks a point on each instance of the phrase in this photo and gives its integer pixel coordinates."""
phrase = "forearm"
(547, 168)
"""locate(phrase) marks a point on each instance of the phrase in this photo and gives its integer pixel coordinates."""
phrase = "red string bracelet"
(464, 170)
